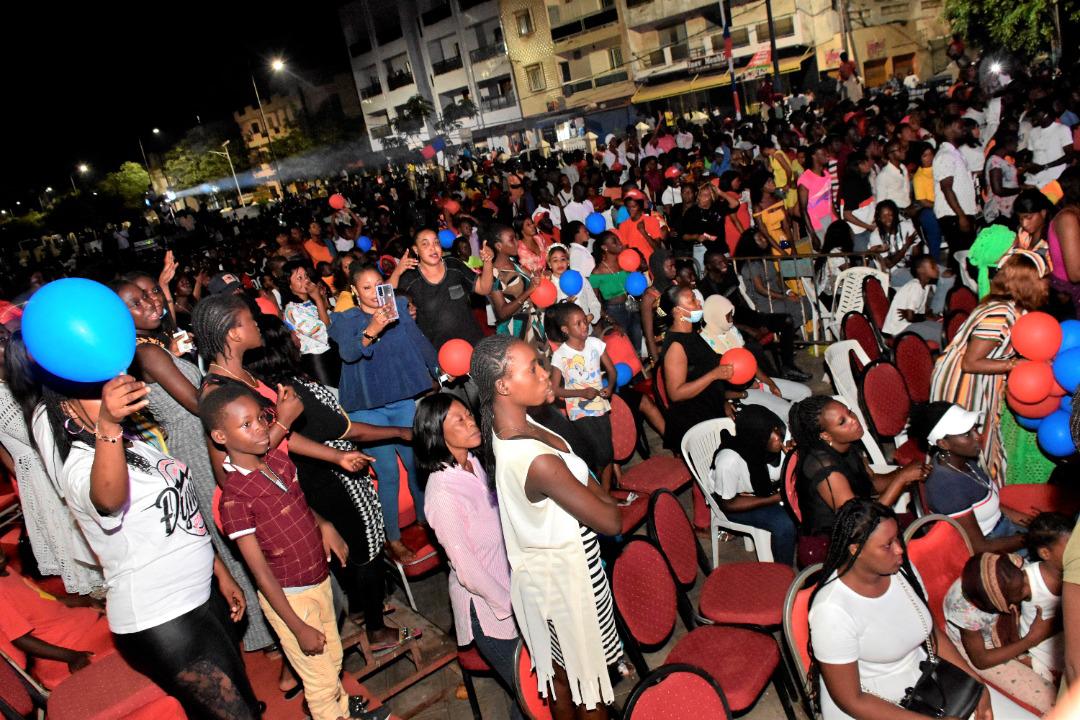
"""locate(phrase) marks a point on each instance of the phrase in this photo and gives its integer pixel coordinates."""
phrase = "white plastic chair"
(838, 361)
(965, 277)
(699, 444)
(848, 293)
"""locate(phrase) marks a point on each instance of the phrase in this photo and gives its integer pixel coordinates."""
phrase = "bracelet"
(371, 339)
(278, 423)
(106, 438)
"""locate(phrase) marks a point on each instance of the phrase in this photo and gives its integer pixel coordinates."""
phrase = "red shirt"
(632, 237)
(281, 521)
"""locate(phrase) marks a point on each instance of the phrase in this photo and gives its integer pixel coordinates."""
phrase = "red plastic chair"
(426, 557)
(472, 664)
(15, 693)
(856, 327)
(527, 687)
(660, 472)
(960, 297)
(787, 488)
(797, 629)
(954, 320)
(741, 661)
(885, 404)
(916, 364)
(677, 692)
(109, 689)
(875, 301)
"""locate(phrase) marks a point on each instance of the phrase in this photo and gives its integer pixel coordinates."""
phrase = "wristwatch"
(372, 339)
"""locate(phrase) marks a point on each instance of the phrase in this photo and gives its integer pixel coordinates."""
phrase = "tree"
(454, 113)
(412, 115)
(192, 161)
(1023, 27)
(129, 184)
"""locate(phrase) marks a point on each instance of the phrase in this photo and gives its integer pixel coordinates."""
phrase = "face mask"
(695, 316)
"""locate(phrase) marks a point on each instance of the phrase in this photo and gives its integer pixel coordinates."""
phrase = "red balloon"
(629, 260)
(1036, 336)
(1058, 391)
(745, 365)
(1030, 381)
(1041, 409)
(337, 201)
(545, 294)
(452, 206)
(455, 356)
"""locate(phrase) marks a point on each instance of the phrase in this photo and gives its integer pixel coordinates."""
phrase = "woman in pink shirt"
(460, 507)
(815, 196)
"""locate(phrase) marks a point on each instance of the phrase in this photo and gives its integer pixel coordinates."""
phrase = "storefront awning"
(647, 93)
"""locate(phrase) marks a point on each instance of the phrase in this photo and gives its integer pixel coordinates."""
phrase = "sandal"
(405, 634)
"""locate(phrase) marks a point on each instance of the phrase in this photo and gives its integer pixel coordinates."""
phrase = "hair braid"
(487, 366)
(212, 320)
(804, 421)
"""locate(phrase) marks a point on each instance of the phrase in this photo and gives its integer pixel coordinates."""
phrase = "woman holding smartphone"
(386, 364)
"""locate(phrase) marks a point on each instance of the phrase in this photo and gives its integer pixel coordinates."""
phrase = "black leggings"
(365, 584)
(194, 659)
(325, 367)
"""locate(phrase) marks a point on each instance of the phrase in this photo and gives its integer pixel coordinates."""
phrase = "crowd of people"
(239, 484)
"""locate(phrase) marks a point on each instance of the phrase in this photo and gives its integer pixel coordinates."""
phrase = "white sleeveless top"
(549, 578)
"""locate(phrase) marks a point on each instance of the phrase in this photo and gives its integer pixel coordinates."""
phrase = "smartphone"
(184, 343)
(385, 296)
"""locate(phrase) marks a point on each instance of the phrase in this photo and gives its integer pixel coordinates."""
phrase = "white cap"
(955, 421)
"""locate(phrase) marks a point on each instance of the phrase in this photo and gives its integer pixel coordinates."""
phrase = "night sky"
(82, 83)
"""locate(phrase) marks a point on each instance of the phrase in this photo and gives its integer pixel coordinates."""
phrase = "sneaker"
(793, 373)
(358, 709)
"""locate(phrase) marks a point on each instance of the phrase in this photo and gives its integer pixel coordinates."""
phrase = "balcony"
(436, 14)
(584, 24)
(497, 102)
(372, 90)
(399, 79)
(487, 52)
(590, 83)
(446, 65)
(378, 132)
(664, 58)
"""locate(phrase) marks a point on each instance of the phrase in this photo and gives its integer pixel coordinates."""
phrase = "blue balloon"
(1055, 438)
(1070, 335)
(571, 282)
(79, 330)
(622, 215)
(1028, 423)
(1067, 369)
(595, 223)
(623, 373)
(363, 243)
(1066, 404)
(636, 283)
(447, 238)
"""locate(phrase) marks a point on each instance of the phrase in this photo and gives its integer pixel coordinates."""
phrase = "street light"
(228, 157)
(277, 65)
(48, 189)
(156, 131)
(84, 168)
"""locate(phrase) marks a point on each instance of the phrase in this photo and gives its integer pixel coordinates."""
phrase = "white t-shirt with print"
(155, 552)
(582, 369)
(1047, 145)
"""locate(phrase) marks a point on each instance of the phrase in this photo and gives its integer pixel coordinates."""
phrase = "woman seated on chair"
(745, 477)
(957, 485)
(831, 470)
(870, 623)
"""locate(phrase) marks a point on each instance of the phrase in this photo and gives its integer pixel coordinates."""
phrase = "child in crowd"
(1046, 538)
(577, 367)
(909, 310)
(982, 614)
(558, 261)
(286, 546)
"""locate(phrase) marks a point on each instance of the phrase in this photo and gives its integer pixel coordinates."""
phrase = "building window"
(565, 68)
(535, 75)
(615, 57)
(254, 128)
(785, 27)
(523, 22)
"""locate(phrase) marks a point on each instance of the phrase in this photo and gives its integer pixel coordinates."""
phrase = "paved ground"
(435, 698)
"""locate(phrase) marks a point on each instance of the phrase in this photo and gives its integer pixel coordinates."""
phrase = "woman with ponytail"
(870, 624)
(551, 510)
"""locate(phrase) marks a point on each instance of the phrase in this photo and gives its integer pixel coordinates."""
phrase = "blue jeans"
(396, 414)
(499, 655)
(931, 230)
(774, 519)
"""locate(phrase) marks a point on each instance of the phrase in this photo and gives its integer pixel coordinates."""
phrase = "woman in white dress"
(869, 623)
(549, 510)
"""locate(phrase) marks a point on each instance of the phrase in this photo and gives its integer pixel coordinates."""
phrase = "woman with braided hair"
(870, 624)
(832, 469)
(551, 510)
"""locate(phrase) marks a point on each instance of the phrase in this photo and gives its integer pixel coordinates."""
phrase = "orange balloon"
(452, 206)
(629, 260)
(1058, 391)
(1043, 408)
(455, 357)
(1030, 381)
(545, 294)
(745, 365)
(1036, 336)
(337, 201)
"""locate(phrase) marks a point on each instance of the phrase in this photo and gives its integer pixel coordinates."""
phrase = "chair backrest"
(14, 694)
(623, 429)
(700, 444)
(848, 289)
(671, 530)
(875, 301)
(644, 592)
(954, 320)
(939, 556)
(797, 622)
(839, 361)
(677, 692)
(660, 386)
(855, 326)
(884, 399)
(916, 364)
(787, 488)
(527, 687)
(960, 297)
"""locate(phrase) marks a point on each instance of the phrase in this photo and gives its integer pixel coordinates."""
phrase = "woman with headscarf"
(654, 322)
(720, 333)
(745, 477)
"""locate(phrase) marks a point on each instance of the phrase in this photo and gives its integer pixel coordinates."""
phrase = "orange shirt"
(318, 251)
(632, 238)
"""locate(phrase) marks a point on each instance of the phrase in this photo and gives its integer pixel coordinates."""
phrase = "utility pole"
(228, 158)
(730, 60)
(772, 44)
(266, 129)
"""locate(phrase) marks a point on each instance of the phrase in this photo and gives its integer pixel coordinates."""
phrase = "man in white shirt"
(580, 208)
(892, 181)
(954, 188)
(1051, 145)
(684, 139)
(908, 309)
